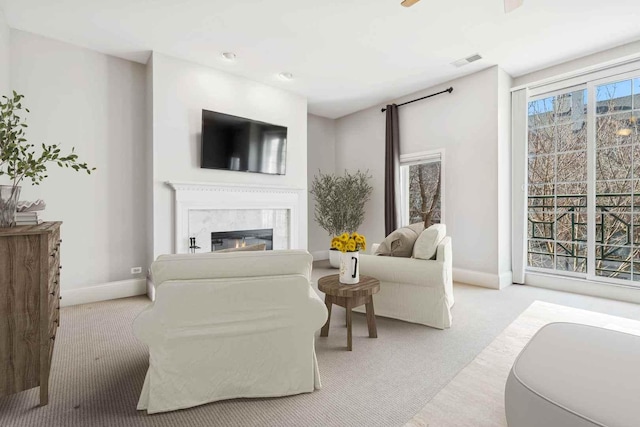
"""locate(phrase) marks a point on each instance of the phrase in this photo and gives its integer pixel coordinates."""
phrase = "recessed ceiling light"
(285, 76)
(229, 56)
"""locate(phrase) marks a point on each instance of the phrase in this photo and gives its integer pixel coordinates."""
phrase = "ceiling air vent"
(468, 60)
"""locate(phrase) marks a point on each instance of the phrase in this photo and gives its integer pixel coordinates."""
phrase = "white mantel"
(212, 196)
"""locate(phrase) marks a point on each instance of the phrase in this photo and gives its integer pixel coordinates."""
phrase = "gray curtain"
(391, 169)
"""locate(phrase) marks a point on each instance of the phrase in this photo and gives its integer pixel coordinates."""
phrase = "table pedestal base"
(349, 304)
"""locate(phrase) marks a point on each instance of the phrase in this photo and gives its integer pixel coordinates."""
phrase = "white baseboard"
(103, 292)
(506, 279)
(479, 278)
(320, 255)
(583, 287)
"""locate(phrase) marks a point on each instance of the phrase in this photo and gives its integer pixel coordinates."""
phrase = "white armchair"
(413, 290)
(229, 325)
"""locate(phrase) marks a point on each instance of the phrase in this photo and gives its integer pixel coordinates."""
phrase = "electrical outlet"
(136, 270)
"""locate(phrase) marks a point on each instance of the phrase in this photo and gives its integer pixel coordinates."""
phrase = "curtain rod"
(424, 97)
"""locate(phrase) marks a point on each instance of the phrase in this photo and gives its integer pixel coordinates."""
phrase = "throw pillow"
(256, 247)
(427, 243)
(400, 242)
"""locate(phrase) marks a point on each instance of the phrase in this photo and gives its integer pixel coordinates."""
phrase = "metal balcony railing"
(611, 229)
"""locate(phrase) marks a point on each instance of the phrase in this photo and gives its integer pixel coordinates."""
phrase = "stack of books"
(28, 218)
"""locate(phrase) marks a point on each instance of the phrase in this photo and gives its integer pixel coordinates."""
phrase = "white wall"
(625, 52)
(321, 157)
(5, 56)
(464, 123)
(181, 90)
(95, 103)
(360, 145)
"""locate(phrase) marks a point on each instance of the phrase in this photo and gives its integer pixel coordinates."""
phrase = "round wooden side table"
(349, 297)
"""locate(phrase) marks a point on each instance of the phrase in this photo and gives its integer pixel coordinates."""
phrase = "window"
(617, 176)
(583, 191)
(421, 188)
(557, 190)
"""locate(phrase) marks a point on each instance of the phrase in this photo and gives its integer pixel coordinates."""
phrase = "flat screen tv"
(239, 144)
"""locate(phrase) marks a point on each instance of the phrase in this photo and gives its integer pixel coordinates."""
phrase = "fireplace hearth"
(240, 238)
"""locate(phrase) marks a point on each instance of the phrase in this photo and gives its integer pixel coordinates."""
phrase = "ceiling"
(345, 55)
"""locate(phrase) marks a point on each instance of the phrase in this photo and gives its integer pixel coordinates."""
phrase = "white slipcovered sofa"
(414, 290)
(229, 325)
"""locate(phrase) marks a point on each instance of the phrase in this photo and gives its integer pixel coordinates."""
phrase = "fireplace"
(241, 238)
(205, 208)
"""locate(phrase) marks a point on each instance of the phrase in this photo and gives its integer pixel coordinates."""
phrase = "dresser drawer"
(54, 278)
(53, 307)
(54, 286)
(54, 258)
(54, 240)
(54, 267)
(53, 291)
(53, 324)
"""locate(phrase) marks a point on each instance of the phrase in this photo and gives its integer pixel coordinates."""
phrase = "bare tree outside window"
(422, 192)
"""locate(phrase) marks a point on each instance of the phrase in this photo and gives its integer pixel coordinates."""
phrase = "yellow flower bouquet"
(349, 242)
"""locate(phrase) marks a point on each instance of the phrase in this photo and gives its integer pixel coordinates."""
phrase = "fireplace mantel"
(242, 188)
(213, 196)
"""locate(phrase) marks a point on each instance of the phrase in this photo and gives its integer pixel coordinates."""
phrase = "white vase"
(334, 258)
(350, 268)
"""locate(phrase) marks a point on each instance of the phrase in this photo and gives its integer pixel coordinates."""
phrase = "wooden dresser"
(29, 306)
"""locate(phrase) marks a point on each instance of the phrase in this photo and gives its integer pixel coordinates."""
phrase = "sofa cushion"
(427, 243)
(256, 247)
(234, 264)
(400, 242)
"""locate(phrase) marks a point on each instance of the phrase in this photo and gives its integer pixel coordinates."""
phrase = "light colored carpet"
(98, 366)
(475, 397)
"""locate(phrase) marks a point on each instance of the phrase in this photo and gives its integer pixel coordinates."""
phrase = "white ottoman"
(574, 375)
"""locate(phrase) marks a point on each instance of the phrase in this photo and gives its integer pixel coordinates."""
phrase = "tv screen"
(239, 144)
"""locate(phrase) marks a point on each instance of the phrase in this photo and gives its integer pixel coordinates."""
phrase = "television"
(239, 144)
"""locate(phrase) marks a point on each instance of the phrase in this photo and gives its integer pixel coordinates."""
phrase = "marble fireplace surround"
(214, 196)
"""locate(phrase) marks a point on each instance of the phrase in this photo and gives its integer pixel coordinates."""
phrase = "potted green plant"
(19, 159)
(340, 202)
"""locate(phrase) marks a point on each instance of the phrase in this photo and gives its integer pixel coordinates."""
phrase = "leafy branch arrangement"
(18, 159)
(340, 201)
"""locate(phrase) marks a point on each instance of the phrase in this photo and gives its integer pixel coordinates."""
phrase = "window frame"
(410, 159)
(590, 82)
(592, 178)
(554, 271)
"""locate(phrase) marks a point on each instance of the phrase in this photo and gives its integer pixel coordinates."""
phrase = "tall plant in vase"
(19, 159)
(340, 204)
